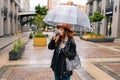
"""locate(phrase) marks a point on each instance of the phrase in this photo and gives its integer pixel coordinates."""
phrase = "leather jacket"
(58, 63)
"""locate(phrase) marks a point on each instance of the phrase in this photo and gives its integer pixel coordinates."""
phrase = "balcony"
(5, 13)
(109, 8)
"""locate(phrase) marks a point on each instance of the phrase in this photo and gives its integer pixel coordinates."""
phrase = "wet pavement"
(100, 61)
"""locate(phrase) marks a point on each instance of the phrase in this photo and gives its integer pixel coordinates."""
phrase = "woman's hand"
(57, 38)
(54, 36)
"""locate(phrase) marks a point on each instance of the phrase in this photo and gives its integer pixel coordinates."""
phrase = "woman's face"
(61, 31)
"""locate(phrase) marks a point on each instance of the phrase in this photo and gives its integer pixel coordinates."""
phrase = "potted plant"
(93, 36)
(96, 18)
(41, 11)
(21, 47)
(13, 54)
(40, 39)
(17, 50)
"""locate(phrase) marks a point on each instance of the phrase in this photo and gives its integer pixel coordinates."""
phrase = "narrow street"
(100, 61)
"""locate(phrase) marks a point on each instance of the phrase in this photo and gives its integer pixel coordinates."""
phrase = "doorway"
(109, 25)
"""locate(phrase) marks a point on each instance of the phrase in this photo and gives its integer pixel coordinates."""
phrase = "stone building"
(24, 7)
(8, 17)
(52, 3)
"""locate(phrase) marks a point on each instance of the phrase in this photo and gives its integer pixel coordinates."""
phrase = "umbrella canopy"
(67, 14)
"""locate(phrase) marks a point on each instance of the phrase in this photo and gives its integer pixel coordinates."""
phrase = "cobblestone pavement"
(100, 61)
(29, 72)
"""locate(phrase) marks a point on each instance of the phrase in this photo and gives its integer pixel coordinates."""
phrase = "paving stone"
(111, 68)
(29, 72)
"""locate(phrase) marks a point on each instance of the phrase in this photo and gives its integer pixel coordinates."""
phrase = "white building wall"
(104, 21)
(25, 5)
(1, 19)
(116, 18)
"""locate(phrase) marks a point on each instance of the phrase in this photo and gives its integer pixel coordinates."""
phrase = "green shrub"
(98, 34)
(92, 33)
(39, 35)
(15, 48)
(17, 45)
(20, 43)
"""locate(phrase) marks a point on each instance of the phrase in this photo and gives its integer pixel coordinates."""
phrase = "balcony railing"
(5, 12)
(109, 7)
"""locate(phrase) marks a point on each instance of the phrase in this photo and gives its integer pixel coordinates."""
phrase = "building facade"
(78, 5)
(24, 5)
(110, 25)
(8, 16)
(52, 3)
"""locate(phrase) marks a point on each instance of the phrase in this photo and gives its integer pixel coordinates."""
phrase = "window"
(115, 8)
(110, 2)
(91, 6)
(99, 4)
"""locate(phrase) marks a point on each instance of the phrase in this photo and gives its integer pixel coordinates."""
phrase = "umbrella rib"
(55, 14)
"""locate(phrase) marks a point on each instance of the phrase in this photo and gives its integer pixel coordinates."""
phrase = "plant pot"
(21, 50)
(101, 39)
(16, 55)
(40, 42)
(85, 37)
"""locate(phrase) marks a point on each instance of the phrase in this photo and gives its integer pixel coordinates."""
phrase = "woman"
(64, 47)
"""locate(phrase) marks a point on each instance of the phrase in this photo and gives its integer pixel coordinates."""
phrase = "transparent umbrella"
(67, 14)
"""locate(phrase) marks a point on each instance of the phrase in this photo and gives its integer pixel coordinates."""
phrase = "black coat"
(58, 63)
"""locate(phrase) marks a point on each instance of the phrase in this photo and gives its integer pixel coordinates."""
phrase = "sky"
(33, 3)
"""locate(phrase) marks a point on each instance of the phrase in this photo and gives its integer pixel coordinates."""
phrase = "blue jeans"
(57, 77)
